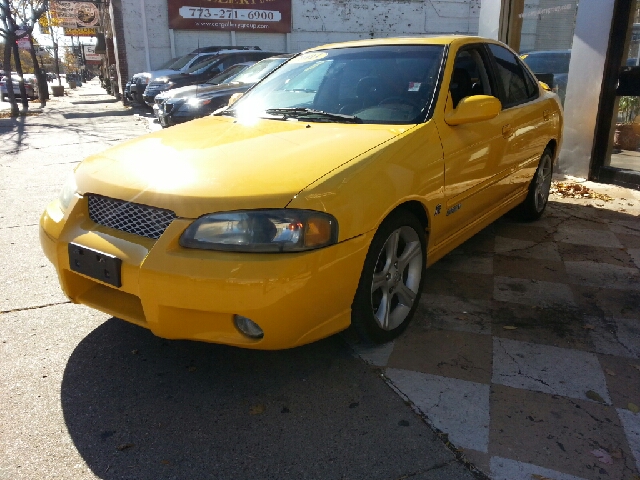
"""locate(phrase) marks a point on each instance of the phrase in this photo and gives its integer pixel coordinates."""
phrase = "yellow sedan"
(313, 203)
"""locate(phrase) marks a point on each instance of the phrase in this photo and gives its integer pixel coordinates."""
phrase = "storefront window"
(625, 151)
(546, 40)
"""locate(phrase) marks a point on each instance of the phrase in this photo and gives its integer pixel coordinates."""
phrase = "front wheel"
(538, 197)
(391, 279)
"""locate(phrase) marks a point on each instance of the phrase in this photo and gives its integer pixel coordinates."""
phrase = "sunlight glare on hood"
(248, 113)
(160, 167)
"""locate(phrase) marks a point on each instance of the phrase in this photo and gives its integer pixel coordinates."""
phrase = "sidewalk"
(525, 350)
(524, 354)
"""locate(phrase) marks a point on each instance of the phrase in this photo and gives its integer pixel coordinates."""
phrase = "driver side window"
(469, 76)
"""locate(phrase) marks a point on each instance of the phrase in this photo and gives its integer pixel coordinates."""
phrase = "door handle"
(507, 130)
(545, 115)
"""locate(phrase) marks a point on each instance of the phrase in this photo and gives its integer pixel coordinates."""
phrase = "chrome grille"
(150, 222)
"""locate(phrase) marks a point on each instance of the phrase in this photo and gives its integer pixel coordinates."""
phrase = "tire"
(534, 205)
(391, 279)
(2, 97)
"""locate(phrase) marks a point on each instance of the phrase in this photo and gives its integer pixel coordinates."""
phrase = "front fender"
(361, 193)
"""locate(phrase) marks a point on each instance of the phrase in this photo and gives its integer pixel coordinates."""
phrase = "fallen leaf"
(257, 409)
(602, 456)
(617, 454)
(589, 327)
(125, 446)
(164, 462)
(192, 369)
(633, 408)
(135, 352)
(637, 367)
(510, 327)
(608, 371)
(535, 476)
(591, 395)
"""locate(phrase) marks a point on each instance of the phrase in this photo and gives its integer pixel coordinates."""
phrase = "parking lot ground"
(87, 396)
(524, 355)
(525, 350)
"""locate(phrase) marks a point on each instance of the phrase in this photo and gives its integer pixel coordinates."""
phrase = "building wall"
(314, 22)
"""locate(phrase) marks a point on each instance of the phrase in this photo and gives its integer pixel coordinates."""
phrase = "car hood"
(205, 90)
(212, 91)
(218, 164)
(160, 73)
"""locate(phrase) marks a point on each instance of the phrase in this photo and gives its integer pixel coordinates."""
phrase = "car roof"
(213, 49)
(425, 40)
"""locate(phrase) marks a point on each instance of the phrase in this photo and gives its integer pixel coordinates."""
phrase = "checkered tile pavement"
(525, 349)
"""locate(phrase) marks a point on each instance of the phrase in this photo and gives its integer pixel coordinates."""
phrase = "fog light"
(248, 327)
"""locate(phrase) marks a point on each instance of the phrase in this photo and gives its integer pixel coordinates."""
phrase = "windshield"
(181, 62)
(258, 71)
(376, 84)
(168, 64)
(202, 66)
(227, 75)
(548, 62)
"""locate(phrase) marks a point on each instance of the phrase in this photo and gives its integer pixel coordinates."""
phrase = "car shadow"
(137, 406)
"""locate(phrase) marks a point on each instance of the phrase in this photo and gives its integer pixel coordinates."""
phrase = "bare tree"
(13, 12)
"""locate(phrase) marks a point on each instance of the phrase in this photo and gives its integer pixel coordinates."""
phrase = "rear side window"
(516, 85)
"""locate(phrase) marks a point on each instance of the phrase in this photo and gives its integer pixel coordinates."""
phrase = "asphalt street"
(87, 396)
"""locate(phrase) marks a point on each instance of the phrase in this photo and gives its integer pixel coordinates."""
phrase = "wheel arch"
(553, 146)
(416, 208)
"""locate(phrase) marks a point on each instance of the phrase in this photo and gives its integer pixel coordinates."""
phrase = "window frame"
(483, 51)
(496, 74)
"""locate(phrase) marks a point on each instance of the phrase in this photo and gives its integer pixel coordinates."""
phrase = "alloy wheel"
(396, 278)
(543, 182)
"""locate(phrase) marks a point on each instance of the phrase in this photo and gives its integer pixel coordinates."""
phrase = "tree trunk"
(43, 88)
(9, 82)
(23, 91)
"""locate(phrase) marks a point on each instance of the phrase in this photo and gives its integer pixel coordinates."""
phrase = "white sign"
(24, 41)
(230, 14)
(90, 54)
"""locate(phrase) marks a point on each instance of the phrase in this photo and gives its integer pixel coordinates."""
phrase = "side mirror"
(474, 109)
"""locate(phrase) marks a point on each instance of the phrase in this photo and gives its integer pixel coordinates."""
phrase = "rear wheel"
(538, 197)
(391, 279)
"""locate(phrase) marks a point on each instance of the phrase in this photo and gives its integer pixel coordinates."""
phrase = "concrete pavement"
(86, 396)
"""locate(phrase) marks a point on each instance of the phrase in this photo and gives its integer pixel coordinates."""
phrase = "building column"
(584, 85)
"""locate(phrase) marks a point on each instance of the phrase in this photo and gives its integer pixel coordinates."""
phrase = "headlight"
(68, 191)
(262, 231)
(196, 102)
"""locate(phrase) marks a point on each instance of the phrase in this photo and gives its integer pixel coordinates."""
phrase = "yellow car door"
(522, 117)
(472, 151)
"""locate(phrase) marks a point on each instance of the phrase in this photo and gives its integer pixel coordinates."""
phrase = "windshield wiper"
(307, 113)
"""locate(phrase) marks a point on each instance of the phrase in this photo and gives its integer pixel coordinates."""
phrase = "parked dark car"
(198, 102)
(223, 77)
(202, 72)
(551, 67)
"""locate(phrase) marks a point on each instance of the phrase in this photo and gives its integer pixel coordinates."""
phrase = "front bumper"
(180, 293)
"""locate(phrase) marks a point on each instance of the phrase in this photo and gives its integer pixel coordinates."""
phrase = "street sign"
(75, 14)
(23, 42)
(90, 55)
(80, 32)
